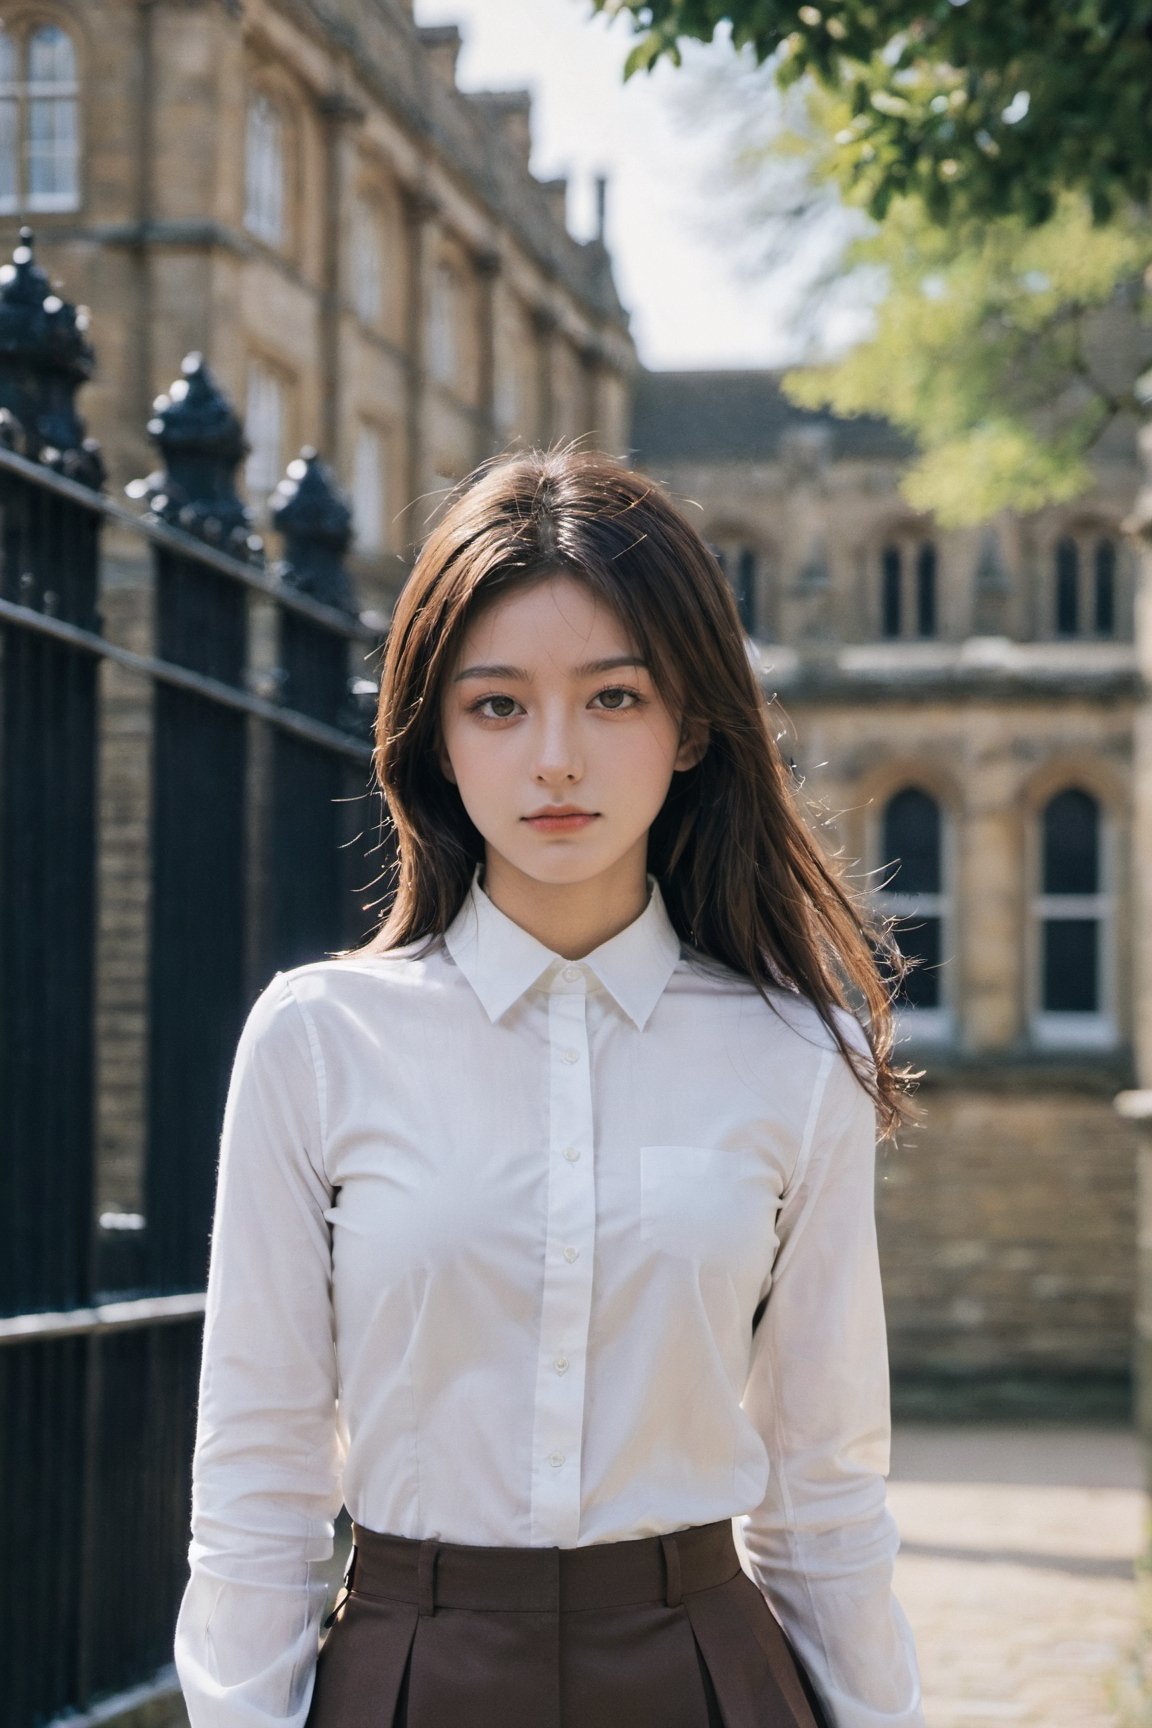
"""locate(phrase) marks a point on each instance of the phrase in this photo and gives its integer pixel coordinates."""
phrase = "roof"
(742, 416)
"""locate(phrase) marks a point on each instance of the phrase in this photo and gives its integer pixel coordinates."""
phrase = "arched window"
(369, 491)
(443, 313)
(926, 590)
(891, 583)
(1072, 917)
(367, 260)
(1104, 589)
(39, 121)
(1085, 583)
(264, 429)
(744, 586)
(908, 584)
(744, 565)
(912, 856)
(1067, 587)
(264, 170)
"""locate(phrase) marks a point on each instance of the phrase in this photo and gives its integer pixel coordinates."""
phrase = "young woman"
(545, 1234)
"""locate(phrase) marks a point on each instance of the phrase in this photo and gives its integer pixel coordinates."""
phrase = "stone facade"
(300, 191)
(987, 689)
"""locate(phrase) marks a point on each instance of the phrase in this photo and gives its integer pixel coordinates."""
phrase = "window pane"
(746, 588)
(890, 618)
(264, 429)
(53, 156)
(368, 491)
(1067, 586)
(367, 249)
(926, 591)
(9, 125)
(920, 938)
(53, 153)
(1071, 844)
(442, 325)
(912, 841)
(1071, 948)
(9, 146)
(1104, 597)
(51, 59)
(264, 171)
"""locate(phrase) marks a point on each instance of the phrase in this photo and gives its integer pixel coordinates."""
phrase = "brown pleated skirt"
(658, 1632)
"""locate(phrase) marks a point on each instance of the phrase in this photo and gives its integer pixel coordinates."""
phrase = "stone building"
(962, 702)
(299, 190)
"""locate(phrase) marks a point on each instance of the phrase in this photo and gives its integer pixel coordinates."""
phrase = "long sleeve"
(822, 1542)
(266, 1474)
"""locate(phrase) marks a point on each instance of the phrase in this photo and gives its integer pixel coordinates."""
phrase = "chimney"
(510, 111)
(601, 207)
(442, 44)
(556, 194)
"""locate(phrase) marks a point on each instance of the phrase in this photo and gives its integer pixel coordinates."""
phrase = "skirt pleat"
(655, 1632)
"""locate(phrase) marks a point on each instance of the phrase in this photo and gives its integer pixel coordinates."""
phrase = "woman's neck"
(570, 918)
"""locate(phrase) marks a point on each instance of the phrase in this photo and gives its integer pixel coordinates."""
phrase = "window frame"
(1076, 570)
(259, 367)
(279, 239)
(1050, 1028)
(907, 585)
(19, 96)
(370, 224)
(936, 1025)
(379, 546)
(444, 354)
(746, 561)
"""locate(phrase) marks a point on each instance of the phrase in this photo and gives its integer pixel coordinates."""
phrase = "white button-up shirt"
(492, 1230)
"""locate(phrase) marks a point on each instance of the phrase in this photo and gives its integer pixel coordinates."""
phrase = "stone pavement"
(1016, 1572)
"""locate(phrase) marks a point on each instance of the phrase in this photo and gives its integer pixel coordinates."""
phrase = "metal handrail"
(361, 628)
(106, 1317)
(165, 672)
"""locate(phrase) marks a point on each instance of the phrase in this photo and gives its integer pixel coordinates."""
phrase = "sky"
(692, 302)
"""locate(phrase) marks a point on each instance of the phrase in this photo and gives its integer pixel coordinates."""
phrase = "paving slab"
(1016, 1572)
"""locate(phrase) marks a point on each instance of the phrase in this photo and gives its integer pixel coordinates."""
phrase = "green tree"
(974, 107)
(988, 343)
(1008, 351)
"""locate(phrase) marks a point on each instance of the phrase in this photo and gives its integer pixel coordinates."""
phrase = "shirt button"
(572, 973)
(561, 1364)
(556, 1459)
(569, 1055)
(571, 1153)
(570, 1254)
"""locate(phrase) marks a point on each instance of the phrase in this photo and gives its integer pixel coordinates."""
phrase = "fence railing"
(262, 839)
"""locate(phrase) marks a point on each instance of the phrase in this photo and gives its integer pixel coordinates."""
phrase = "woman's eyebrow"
(517, 673)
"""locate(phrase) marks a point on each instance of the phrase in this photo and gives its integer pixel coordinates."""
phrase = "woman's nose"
(558, 752)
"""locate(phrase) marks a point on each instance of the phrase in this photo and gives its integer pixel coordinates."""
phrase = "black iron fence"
(263, 840)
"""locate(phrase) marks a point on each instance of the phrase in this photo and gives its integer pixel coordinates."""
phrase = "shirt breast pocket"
(715, 1205)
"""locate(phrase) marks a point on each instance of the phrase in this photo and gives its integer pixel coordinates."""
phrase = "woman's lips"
(561, 824)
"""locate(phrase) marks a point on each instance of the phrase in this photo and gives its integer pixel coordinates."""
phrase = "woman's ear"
(694, 738)
(446, 765)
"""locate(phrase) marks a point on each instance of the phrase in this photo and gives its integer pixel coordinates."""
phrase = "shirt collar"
(501, 960)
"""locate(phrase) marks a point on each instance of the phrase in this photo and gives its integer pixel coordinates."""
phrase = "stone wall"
(1007, 1231)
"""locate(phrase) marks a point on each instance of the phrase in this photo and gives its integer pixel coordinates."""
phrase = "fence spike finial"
(45, 356)
(202, 442)
(315, 517)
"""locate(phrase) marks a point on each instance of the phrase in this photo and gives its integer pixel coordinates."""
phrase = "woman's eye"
(502, 707)
(616, 697)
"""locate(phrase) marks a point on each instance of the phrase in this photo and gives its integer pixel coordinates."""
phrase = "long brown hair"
(744, 878)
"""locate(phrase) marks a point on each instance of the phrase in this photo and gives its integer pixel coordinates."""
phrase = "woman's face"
(549, 708)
